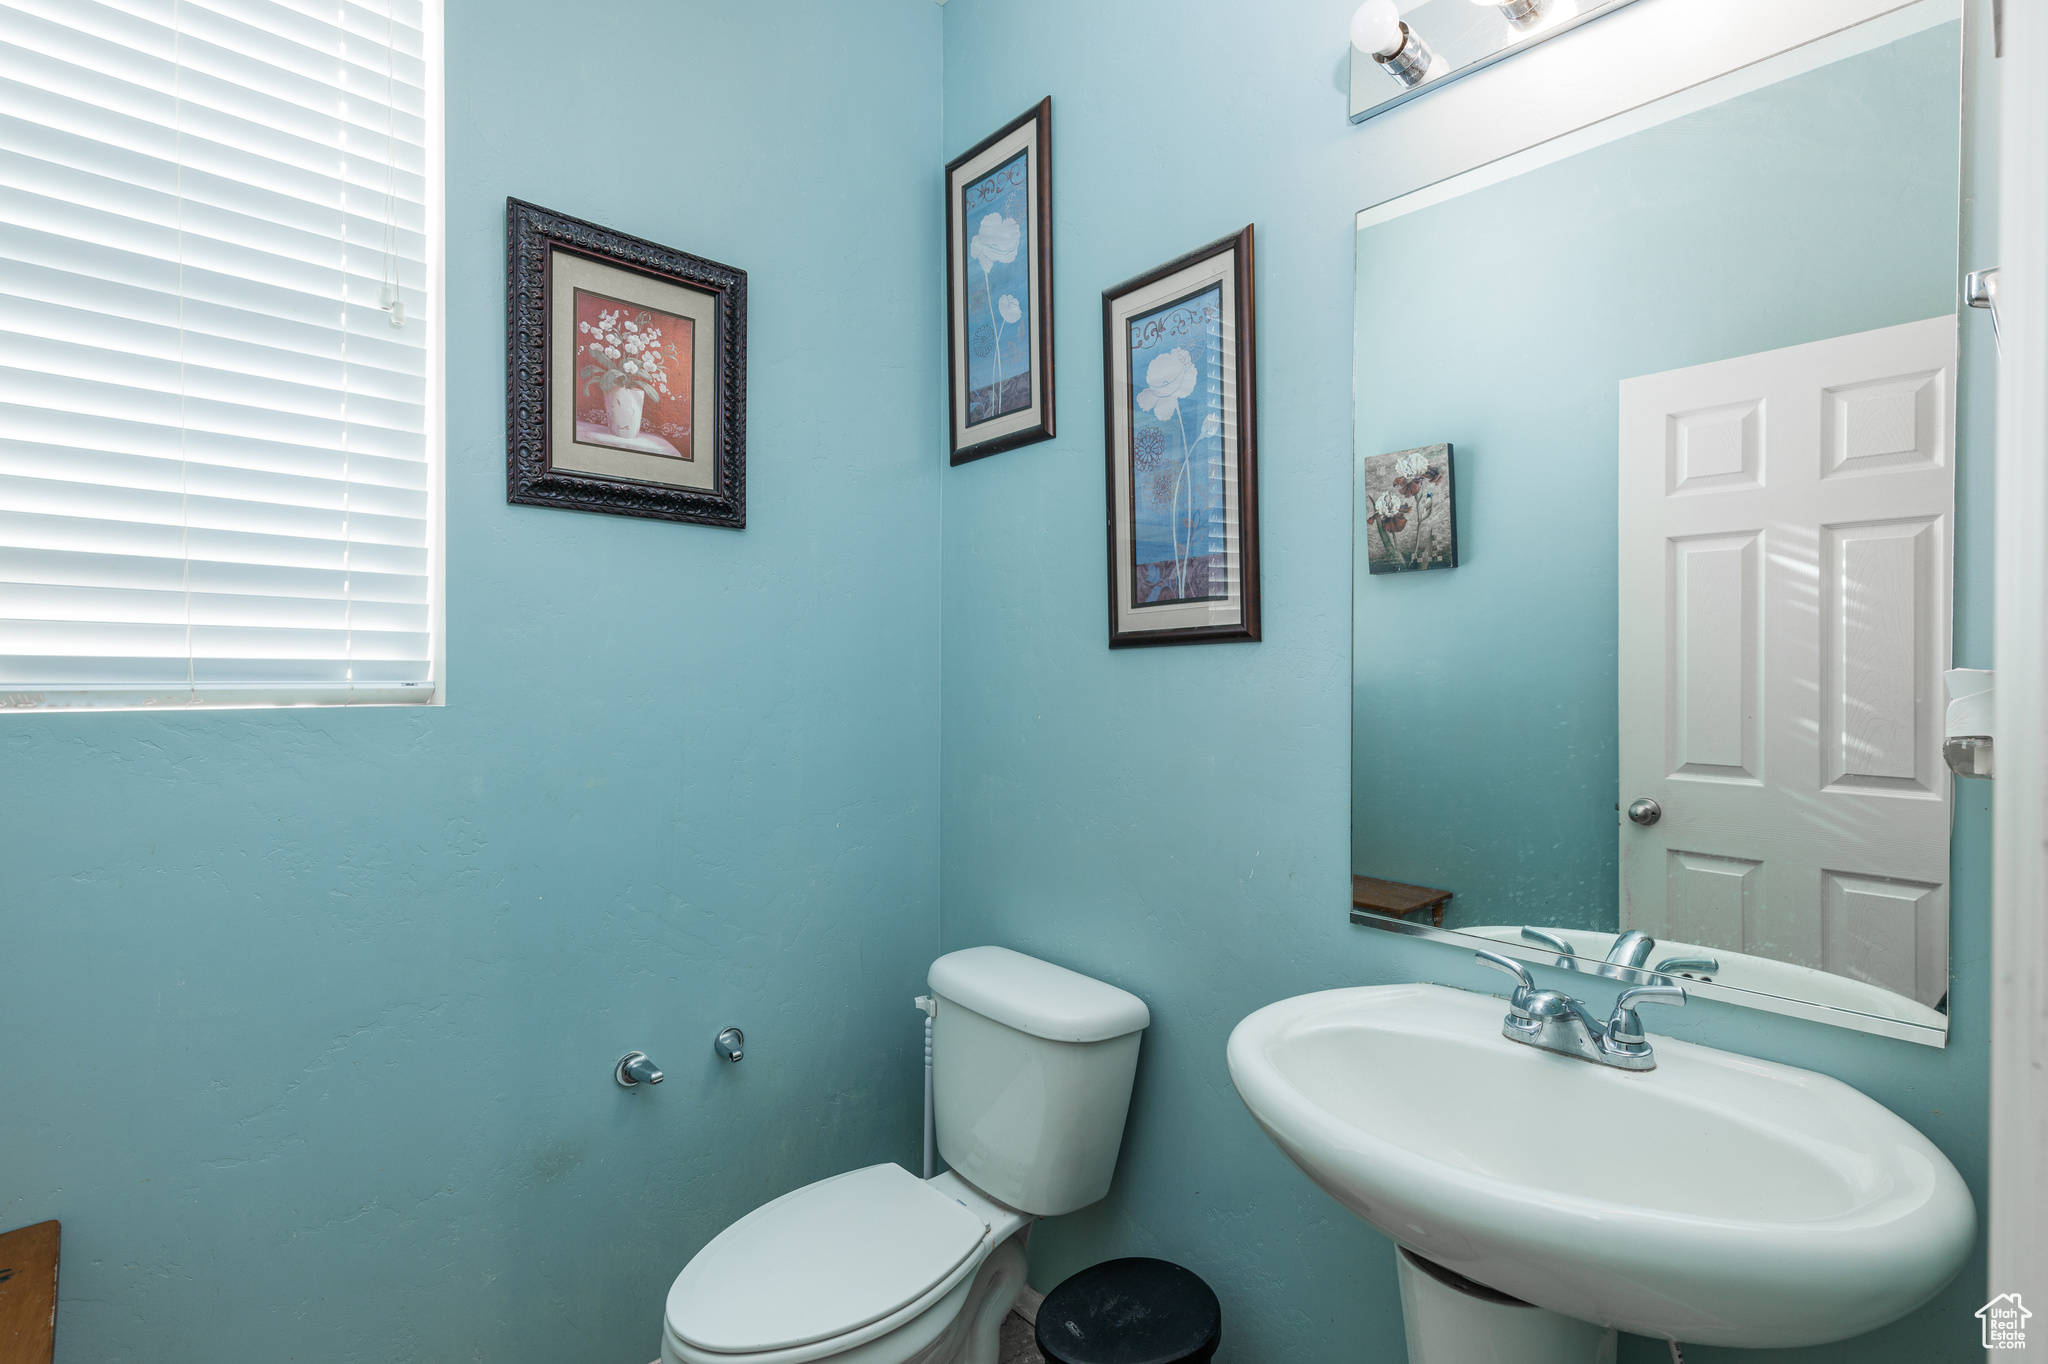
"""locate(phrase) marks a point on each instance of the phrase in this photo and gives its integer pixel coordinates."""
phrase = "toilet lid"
(830, 1258)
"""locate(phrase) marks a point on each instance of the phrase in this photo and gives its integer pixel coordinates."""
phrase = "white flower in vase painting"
(627, 363)
(1007, 306)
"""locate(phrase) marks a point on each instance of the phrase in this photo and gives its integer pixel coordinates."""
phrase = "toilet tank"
(1031, 1076)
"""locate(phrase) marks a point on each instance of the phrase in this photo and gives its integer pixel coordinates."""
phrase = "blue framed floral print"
(1178, 390)
(999, 288)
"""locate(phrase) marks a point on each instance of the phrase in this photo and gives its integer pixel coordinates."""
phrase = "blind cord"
(348, 614)
(389, 297)
(184, 422)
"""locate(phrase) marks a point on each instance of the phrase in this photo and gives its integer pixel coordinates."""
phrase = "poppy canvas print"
(999, 330)
(1183, 524)
(1405, 503)
(999, 288)
(1174, 363)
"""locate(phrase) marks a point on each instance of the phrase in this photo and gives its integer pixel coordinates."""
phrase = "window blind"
(217, 480)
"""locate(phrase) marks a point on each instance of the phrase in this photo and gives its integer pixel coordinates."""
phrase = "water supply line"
(929, 1007)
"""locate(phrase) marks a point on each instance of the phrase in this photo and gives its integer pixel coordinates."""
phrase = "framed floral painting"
(1406, 510)
(626, 374)
(1180, 408)
(999, 288)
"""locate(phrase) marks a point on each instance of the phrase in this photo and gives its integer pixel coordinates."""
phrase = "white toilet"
(1032, 1067)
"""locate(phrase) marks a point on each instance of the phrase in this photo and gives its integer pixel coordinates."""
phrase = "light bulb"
(1376, 28)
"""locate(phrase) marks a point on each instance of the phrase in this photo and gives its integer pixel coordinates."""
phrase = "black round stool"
(1134, 1311)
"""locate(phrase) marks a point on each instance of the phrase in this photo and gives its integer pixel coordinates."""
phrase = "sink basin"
(1715, 1200)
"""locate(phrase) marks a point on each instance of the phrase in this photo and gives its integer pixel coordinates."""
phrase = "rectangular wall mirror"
(1655, 501)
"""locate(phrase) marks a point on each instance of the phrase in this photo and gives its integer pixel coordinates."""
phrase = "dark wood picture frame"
(959, 333)
(535, 237)
(1242, 366)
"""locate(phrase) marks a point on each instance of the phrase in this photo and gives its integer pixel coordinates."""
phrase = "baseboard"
(1027, 1302)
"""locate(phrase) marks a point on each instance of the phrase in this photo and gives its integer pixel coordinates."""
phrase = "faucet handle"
(1566, 957)
(1524, 986)
(1623, 1027)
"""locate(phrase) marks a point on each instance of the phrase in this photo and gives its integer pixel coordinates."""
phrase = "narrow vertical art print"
(1183, 523)
(999, 288)
(1407, 512)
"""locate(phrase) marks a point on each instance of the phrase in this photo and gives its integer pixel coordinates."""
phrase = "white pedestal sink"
(1715, 1200)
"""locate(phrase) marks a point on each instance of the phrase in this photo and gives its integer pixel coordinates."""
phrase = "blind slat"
(116, 606)
(73, 568)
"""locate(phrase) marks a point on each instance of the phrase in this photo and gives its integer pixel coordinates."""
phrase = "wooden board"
(1397, 898)
(28, 1294)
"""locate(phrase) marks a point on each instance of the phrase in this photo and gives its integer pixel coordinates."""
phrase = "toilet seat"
(832, 1266)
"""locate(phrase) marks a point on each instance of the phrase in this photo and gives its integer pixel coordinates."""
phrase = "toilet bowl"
(875, 1266)
(1032, 1067)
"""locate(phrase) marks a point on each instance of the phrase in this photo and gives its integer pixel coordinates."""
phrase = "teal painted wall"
(1177, 820)
(307, 1018)
(1819, 206)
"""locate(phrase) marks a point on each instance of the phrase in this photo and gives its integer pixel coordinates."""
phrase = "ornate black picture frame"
(625, 374)
(1180, 407)
(999, 337)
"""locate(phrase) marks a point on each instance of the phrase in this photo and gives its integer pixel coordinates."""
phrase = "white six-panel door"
(1786, 568)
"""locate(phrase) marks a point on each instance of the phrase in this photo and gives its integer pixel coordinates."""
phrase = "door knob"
(1645, 811)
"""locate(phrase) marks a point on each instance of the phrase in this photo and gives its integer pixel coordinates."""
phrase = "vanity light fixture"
(1527, 17)
(1377, 28)
(1460, 42)
(1523, 14)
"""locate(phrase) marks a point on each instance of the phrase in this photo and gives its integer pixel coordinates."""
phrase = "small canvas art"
(633, 377)
(1174, 374)
(1406, 502)
(999, 329)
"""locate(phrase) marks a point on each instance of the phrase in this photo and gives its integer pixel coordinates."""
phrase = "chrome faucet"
(1554, 1021)
(1632, 948)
